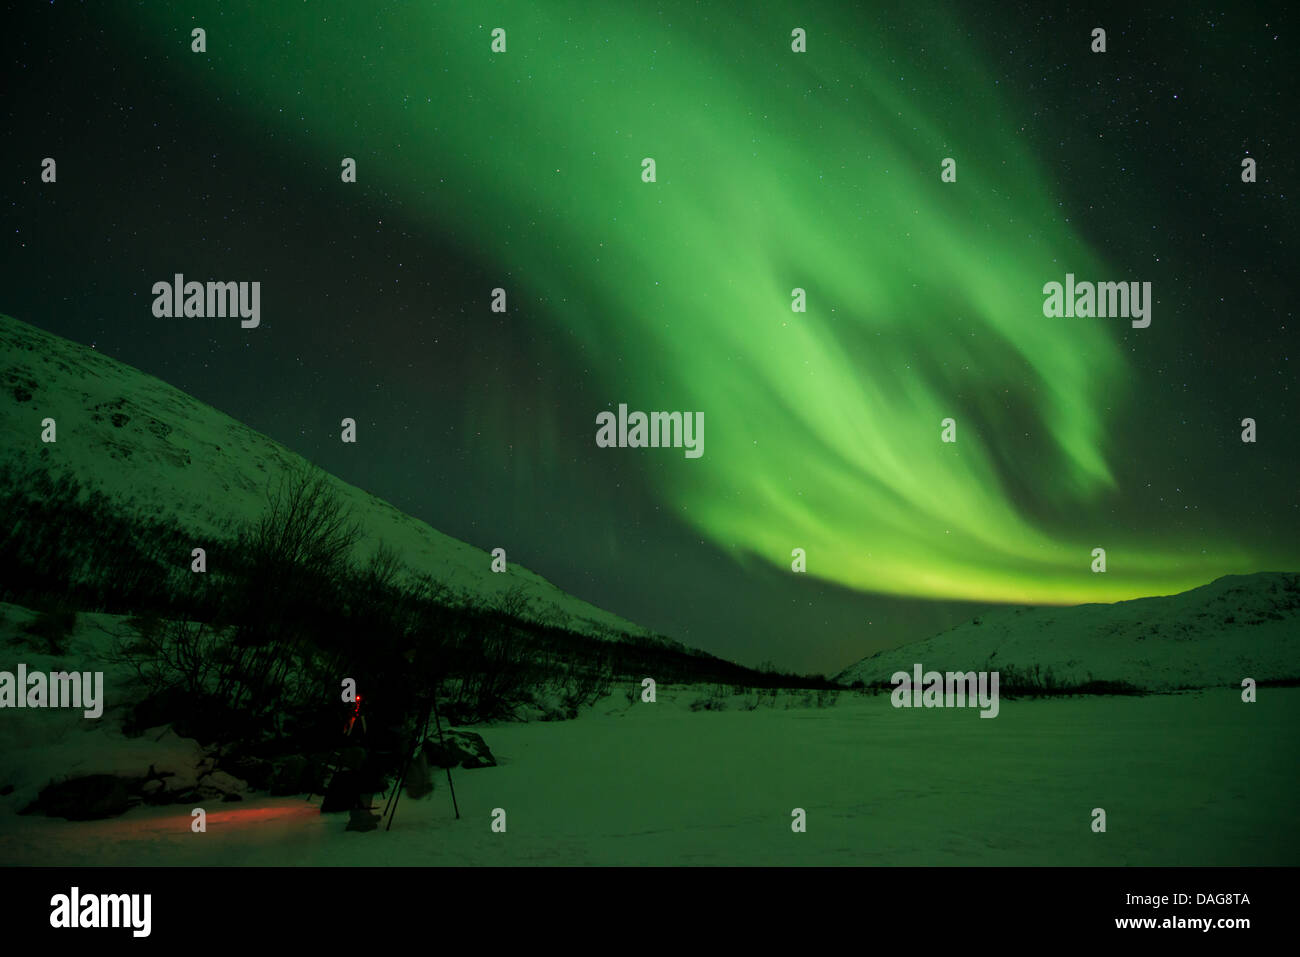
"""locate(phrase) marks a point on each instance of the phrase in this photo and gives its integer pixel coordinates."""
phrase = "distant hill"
(1235, 627)
(136, 437)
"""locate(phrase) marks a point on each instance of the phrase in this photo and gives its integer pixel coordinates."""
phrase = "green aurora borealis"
(775, 171)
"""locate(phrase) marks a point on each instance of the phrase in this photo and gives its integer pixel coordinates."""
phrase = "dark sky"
(374, 294)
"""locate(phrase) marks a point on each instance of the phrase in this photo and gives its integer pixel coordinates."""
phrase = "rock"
(463, 749)
(223, 782)
(288, 777)
(179, 780)
(256, 771)
(89, 798)
(220, 786)
(155, 792)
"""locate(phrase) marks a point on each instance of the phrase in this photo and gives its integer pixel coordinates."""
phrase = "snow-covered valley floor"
(1199, 778)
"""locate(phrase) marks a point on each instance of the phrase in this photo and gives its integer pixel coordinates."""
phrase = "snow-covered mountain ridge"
(136, 437)
(1238, 626)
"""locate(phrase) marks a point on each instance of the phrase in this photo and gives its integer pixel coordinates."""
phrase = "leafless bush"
(171, 655)
(513, 602)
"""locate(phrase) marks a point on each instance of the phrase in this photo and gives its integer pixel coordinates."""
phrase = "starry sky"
(774, 170)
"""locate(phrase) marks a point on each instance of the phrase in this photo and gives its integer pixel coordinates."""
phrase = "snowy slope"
(1235, 627)
(135, 436)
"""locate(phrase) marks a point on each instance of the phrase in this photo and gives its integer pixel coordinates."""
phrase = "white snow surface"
(1195, 778)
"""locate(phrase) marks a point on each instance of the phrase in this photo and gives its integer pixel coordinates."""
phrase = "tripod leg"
(393, 793)
(397, 787)
(396, 796)
(451, 787)
(410, 756)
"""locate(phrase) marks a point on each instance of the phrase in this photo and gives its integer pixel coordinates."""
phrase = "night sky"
(775, 170)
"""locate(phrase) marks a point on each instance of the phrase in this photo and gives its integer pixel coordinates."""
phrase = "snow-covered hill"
(137, 437)
(1239, 626)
